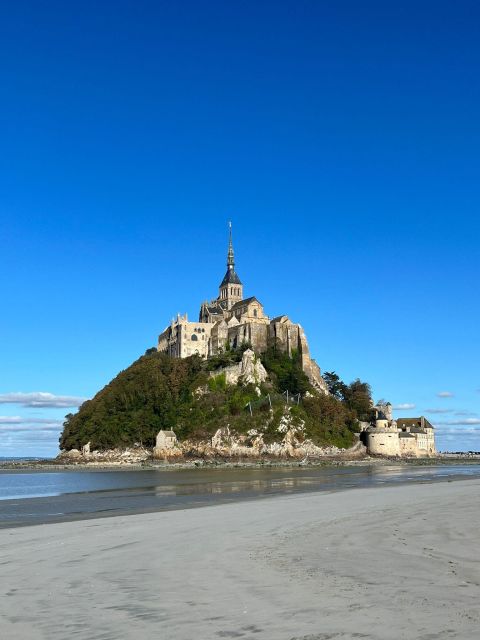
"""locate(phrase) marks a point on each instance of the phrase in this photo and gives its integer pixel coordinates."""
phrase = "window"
(194, 337)
(255, 313)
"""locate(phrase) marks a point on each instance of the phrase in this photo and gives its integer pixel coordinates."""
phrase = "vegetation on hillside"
(158, 392)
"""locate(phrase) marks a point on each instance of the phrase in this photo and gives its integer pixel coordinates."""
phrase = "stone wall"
(408, 446)
(183, 338)
(383, 443)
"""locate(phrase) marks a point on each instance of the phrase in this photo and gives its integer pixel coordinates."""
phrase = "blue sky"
(342, 139)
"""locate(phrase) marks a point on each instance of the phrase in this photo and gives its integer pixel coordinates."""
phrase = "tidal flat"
(397, 561)
(40, 496)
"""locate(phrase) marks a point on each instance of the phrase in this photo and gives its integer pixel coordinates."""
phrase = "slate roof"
(414, 422)
(231, 277)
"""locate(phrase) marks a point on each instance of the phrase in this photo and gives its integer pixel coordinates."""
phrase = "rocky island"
(235, 385)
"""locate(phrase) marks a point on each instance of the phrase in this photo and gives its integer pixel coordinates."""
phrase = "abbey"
(232, 320)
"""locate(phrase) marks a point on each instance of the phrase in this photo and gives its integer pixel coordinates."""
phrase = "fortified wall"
(405, 437)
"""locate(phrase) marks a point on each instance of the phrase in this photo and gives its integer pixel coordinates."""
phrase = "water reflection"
(42, 497)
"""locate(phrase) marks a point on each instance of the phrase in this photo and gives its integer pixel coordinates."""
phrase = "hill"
(191, 396)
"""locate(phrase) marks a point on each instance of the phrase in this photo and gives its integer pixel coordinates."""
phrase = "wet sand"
(385, 563)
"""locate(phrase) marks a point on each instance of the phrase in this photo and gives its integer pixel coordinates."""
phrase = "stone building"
(166, 444)
(230, 321)
(405, 437)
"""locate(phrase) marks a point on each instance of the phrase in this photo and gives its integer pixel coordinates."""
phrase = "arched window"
(255, 313)
(194, 337)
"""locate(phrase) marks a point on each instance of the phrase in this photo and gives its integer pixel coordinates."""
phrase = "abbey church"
(232, 320)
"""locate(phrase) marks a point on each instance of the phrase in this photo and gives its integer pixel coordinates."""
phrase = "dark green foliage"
(158, 392)
(225, 359)
(286, 372)
(357, 396)
(334, 384)
(217, 383)
(133, 407)
(329, 421)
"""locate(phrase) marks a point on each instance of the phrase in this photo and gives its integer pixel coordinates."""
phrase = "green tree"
(357, 397)
(334, 384)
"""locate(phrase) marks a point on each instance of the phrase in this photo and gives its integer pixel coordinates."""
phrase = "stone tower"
(231, 288)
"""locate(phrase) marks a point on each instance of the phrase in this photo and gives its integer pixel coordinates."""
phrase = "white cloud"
(33, 426)
(437, 410)
(54, 428)
(29, 421)
(404, 406)
(464, 422)
(41, 399)
(445, 394)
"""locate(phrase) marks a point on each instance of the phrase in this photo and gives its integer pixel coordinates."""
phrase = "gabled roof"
(245, 302)
(280, 319)
(420, 422)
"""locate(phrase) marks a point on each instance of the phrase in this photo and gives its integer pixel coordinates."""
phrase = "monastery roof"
(242, 303)
(231, 277)
(404, 434)
(414, 422)
(283, 318)
(215, 310)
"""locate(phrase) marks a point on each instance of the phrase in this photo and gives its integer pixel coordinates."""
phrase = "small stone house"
(166, 440)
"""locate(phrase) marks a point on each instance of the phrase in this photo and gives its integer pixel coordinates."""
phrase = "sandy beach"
(394, 562)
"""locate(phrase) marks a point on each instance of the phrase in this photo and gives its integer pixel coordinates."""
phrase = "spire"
(230, 257)
(230, 277)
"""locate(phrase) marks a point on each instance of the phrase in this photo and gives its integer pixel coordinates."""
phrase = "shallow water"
(37, 497)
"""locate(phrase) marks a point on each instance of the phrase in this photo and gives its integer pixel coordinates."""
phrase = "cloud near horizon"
(459, 423)
(445, 394)
(438, 410)
(41, 399)
(34, 426)
(30, 436)
(404, 406)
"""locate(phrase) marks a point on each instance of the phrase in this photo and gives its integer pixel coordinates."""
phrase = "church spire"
(230, 257)
(231, 288)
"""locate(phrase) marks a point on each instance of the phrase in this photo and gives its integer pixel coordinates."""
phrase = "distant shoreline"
(54, 465)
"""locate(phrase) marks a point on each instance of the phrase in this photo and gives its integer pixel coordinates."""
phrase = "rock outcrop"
(130, 455)
(249, 371)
